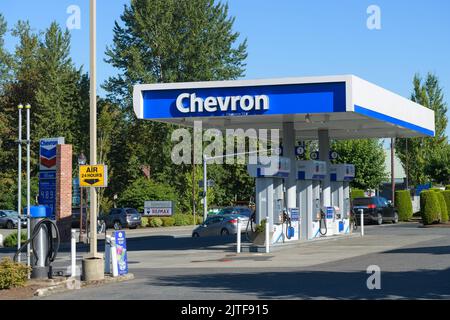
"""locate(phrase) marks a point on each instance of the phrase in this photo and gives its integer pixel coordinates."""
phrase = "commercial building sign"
(158, 208)
(241, 101)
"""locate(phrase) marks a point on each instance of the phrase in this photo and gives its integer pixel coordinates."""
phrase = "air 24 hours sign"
(94, 176)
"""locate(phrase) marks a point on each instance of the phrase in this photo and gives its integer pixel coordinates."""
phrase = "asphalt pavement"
(414, 264)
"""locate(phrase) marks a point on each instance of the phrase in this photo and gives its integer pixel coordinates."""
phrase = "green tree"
(368, 157)
(417, 154)
(144, 189)
(166, 41)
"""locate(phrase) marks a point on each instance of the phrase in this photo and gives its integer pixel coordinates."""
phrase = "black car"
(76, 217)
(376, 210)
(119, 218)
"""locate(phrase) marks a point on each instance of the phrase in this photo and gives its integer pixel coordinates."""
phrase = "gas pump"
(340, 177)
(310, 175)
(269, 198)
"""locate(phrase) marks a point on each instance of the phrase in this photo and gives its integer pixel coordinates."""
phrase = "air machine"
(269, 199)
(44, 240)
(310, 175)
(340, 177)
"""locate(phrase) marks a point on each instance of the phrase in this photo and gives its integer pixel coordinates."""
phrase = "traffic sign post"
(94, 176)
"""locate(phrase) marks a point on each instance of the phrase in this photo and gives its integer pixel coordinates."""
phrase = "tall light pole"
(28, 107)
(19, 182)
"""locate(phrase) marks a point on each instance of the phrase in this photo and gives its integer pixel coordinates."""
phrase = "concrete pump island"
(300, 199)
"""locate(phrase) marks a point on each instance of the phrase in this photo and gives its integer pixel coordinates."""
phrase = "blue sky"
(294, 37)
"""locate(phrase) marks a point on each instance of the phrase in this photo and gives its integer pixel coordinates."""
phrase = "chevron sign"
(47, 153)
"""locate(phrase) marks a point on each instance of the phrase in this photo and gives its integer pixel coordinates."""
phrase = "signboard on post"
(121, 251)
(94, 176)
(158, 208)
(47, 171)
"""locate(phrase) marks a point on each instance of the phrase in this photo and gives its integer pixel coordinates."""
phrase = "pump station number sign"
(94, 176)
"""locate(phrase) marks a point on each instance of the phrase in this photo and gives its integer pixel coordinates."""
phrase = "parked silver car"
(220, 225)
(9, 219)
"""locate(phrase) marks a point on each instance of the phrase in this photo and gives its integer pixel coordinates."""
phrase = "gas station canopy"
(347, 106)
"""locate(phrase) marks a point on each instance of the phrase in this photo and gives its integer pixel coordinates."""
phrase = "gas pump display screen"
(295, 214)
(329, 213)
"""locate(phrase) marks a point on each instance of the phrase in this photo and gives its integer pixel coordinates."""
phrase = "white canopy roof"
(349, 107)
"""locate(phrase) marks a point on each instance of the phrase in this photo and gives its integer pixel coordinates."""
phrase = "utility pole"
(93, 265)
(193, 181)
(393, 170)
(28, 107)
(19, 183)
(93, 125)
(205, 188)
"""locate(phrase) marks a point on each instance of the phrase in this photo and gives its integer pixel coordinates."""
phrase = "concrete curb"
(75, 284)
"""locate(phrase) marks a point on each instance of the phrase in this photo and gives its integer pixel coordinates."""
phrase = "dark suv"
(376, 210)
(119, 218)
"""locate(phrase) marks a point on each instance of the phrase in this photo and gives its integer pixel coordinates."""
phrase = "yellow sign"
(94, 176)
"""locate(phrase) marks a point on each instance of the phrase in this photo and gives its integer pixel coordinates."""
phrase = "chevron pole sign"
(47, 172)
(47, 153)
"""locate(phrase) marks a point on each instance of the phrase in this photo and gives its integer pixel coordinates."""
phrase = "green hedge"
(155, 222)
(447, 187)
(181, 220)
(175, 220)
(357, 193)
(144, 222)
(445, 215)
(429, 207)
(10, 240)
(403, 203)
(168, 221)
(12, 274)
(443, 205)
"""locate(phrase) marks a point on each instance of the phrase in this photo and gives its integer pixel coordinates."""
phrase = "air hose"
(52, 248)
(323, 222)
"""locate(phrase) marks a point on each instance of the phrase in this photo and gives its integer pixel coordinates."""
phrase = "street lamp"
(81, 162)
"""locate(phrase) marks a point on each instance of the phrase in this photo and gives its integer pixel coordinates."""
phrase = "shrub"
(443, 206)
(446, 195)
(403, 203)
(144, 222)
(198, 219)
(155, 222)
(429, 207)
(181, 219)
(10, 240)
(447, 187)
(12, 274)
(168, 221)
(261, 228)
(357, 193)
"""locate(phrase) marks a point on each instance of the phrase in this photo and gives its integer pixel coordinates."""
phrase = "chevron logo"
(47, 153)
(48, 163)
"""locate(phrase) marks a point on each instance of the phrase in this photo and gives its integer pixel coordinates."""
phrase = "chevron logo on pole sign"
(47, 153)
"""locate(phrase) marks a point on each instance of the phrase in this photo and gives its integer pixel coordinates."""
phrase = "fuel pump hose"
(323, 220)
